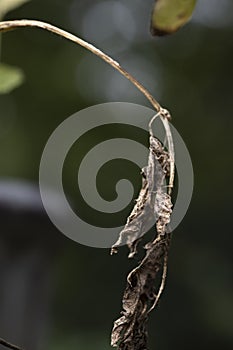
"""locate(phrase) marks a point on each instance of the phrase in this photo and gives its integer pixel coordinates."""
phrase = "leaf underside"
(140, 296)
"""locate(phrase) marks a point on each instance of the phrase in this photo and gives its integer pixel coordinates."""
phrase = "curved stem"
(9, 345)
(11, 25)
(165, 116)
(162, 284)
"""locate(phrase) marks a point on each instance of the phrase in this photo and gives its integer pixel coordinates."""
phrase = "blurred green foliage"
(191, 74)
(170, 15)
(10, 78)
(9, 5)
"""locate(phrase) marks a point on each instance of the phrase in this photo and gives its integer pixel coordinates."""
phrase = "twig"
(163, 280)
(165, 116)
(9, 345)
(130, 330)
(15, 24)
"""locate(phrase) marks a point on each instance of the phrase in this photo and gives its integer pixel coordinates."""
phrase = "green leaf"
(10, 78)
(8, 5)
(169, 15)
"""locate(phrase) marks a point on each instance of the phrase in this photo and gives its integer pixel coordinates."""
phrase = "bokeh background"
(57, 294)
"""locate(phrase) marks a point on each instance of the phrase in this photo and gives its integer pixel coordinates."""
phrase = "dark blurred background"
(57, 294)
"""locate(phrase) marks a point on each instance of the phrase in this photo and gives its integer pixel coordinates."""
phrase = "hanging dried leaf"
(152, 206)
(146, 210)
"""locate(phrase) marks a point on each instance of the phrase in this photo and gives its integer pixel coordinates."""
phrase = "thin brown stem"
(165, 116)
(162, 284)
(15, 24)
(9, 345)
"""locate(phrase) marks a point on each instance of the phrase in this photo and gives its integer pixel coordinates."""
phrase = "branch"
(6, 26)
(140, 297)
(9, 345)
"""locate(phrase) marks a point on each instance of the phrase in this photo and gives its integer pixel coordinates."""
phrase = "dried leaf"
(152, 206)
(144, 213)
(130, 330)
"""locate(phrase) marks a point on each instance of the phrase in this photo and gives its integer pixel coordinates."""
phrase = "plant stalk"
(6, 26)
